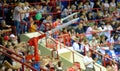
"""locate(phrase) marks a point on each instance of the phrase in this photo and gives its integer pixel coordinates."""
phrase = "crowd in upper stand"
(98, 22)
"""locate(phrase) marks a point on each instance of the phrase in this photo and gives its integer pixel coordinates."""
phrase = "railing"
(76, 55)
(23, 63)
(60, 46)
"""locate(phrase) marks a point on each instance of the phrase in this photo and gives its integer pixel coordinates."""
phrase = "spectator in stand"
(90, 16)
(106, 14)
(13, 39)
(1, 39)
(91, 29)
(66, 11)
(85, 47)
(93, 43)
(108, 29)
(97, 5)
(73, 68)
(89, 62)
(87, 6)
(15, 65)
(80, 29)
(5, 9)
(46, 24)
(116, 38)
(111, 53)
(59, 66)
(33, 26)
(114, 66)
(109, 68)
(80, 5)
(4, 28)
(39, 9)
(84, 16)
(26, 8)
(75, 45)
(106, 5)
(7, 58)
(17, 17)
(113, 4)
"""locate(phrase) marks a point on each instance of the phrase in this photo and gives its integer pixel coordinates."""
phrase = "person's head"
(16, 49)
(60, 63)
(77, 64)
(13, 39)
(94, 38)
(90, 14)
(87, 3)
(113, 1)
(88, 53)
(85, 41)
(109, 68)
(71, 69)
(80, 25)
(110, 46)
(26, 4)
(73, 7)
(99, 13)
(49, 17)
(77, 40)
(3, 23)
(68, 7)
(106, 1)
(64, 30)
(81, 4)
(20, 4)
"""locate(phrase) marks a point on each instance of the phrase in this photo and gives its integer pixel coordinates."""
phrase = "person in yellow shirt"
(33, 25)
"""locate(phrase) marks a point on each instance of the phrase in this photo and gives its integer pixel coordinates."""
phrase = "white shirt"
(88, 32)
(109, 28)
(113, 54)
(75, 46)
(26, 14)
(16, 15)
(111, 40)
(87, 59)
(106, 5)
(113, 4)
(86, 46)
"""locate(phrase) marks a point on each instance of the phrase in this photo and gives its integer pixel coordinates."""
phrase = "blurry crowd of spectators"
(98, 23)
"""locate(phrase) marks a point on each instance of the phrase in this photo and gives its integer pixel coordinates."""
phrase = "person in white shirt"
(90, 30)
(113, 4)
(89, 62)
(112, 52)
(87, 5)
(106, 4)
(75, 45)
(108, 29)
(88, 33)
(27, 8)
(111, 39)
(85, 47)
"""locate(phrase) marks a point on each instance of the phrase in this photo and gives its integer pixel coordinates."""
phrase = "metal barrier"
(76, 55)
(23, 63)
